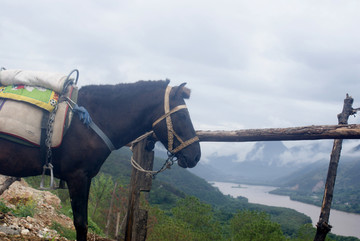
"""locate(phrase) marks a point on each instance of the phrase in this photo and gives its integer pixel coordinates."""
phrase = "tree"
(198, 217)
(254, 226)
(100, 195)
(190, 220)
(163, 228)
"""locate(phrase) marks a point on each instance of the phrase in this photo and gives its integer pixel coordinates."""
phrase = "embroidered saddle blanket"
(22, 107)
(39, 96)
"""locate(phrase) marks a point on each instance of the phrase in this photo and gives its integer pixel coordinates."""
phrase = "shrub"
(4, 208)
(25, 206)
(255, 226)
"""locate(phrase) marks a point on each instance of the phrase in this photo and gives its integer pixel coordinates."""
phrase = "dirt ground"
(36, 228)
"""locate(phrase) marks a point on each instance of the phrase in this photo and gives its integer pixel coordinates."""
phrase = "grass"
(23, 207)
(63, 231)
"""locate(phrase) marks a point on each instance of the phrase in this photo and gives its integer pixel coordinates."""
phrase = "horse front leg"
(79, 195)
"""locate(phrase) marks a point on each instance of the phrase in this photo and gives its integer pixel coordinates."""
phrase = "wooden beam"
(283, 134)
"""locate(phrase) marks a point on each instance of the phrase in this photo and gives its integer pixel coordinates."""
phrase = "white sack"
(53, 81)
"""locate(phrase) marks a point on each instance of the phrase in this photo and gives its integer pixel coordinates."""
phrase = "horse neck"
(124, 113)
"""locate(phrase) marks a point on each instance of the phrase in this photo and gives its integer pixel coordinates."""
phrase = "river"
(345, 224)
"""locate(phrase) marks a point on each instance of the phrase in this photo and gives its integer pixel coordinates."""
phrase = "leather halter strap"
(170, 129)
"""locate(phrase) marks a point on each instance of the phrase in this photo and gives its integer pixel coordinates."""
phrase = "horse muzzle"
(189, 156)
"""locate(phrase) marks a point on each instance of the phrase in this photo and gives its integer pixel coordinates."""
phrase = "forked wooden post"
(323, 226)
(140, 182)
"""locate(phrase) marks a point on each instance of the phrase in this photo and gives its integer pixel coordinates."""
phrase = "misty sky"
(250, 64)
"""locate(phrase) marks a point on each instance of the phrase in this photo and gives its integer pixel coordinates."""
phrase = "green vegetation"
(23, 207)
(4, 208)
(256, 226)
(190, 219)
(24, 210)
(63, 231)
(183, 206)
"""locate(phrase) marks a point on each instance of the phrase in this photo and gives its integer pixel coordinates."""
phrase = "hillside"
(169, 187)
(176, 183)
(36, 212)
(28, 214)
(307, 185)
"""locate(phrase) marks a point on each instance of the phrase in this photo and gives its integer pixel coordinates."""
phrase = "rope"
(140, 138)
(168, 163)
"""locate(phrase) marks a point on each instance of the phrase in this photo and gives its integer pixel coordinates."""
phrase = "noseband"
(170, 129)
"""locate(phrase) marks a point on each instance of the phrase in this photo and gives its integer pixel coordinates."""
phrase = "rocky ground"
(37, 227)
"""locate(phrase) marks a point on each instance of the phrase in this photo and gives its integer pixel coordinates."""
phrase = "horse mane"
(140, 85)
(109, 94)
(123, 88)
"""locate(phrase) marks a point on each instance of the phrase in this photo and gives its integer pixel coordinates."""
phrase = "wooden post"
(140, 181)
(323, 226)
(107, 227)
(117, 224)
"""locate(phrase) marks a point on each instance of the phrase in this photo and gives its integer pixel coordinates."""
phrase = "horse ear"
(183, 91)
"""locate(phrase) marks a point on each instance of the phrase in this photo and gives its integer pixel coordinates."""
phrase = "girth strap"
(43, 136)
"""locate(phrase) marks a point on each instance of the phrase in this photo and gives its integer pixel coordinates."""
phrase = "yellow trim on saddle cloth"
(41, 97)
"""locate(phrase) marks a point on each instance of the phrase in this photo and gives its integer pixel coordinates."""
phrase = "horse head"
(174, 128)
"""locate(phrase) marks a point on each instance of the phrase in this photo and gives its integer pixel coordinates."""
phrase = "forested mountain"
(176, 183)
(307, 184)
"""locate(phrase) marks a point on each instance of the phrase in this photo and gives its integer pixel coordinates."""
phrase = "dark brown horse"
(123, 112)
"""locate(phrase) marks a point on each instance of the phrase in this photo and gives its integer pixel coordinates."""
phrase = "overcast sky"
(250, 64)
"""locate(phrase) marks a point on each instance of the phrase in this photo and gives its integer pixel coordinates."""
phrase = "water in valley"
(345, 224)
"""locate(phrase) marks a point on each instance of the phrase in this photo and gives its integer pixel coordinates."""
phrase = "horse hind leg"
(79, 194)
(62, 184)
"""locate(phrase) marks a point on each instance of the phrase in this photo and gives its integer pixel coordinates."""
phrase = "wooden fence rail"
(283, 134)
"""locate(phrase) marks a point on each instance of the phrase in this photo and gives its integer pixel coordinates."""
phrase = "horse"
(123, 112)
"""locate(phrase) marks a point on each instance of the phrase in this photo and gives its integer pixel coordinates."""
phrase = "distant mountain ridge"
(263, 164)
(307, 185)
(267, 162)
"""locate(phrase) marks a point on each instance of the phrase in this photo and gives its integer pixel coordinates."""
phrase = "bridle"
(170, 129)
